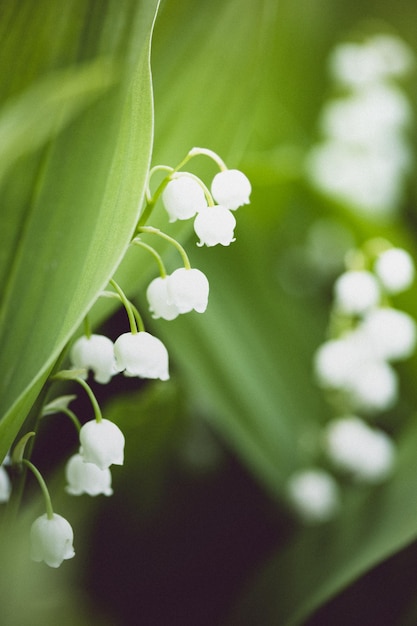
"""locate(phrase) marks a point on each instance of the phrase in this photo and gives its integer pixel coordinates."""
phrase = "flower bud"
(183, 197)
(390, 334)
(215, 225)
(96, 353)
(142, 355)
(102, 443)
(51, 540)
(87, 478)
(188, 289)
(159, 299)
(231, 189)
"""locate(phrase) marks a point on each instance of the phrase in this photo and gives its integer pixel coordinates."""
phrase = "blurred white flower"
(371, 117)
(389, 333)
(373, 386)
(5, 485)
(231, 189)
(183, 197)
(366, 453)
(351, 364)
(215, 225)
(356, 292)
(160, 303)
(102, 443)
(96, 353)
(51, 540)
(188, 290)
(84, 477)
(395, 269)
(379, 58)
(142, 355)
(314, 494)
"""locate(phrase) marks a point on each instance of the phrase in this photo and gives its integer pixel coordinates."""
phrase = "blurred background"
(199, 530)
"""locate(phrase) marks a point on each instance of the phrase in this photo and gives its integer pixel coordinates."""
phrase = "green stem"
(137, 241)
(151, 200)
(87, 327)
(97, 411)
(155, 231)
(42, 485)
(128, 306)
(74, 419)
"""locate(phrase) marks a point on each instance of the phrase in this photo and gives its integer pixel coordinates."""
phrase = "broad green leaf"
(85, 201)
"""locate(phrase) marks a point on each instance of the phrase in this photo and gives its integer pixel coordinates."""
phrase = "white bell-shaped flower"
(183, 197)
(356, 292)
(95, 353)
(366, 453)
(314, 495)
(102, 443)
(142, 354)
(51, 540)
(86, 478)
(390, 334)
(215, 225)
(160, 304)
(188, 290)
(395, 270)
(231, 189)
(5, 485)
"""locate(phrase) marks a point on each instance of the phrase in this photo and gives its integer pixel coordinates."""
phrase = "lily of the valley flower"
(215, 225)
(95, 353)
(102, 443)
(188, 290)
(51, 540)
(160, 304)
(231, 189)
(87, 478)
(183, 197)
(142, 354)
(5, 485)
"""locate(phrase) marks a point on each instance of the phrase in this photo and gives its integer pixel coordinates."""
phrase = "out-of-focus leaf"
(83, 206)
(319, 562)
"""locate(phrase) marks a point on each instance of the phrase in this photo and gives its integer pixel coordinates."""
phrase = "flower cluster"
(185, 197)
(355, 367)
(136, 353)
(364, 156)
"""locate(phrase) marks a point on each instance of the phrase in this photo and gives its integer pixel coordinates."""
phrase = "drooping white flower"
(95, 353)
(160, 303)
(183, 197)
(356, 292)
(215, 225)
(141, 354)
(314, 494)
(5, 485)
(390, 334)
(395, 270)
(51, 540)
(366, 453)
(102, 443)
(188, 290)
(87, 478)
(231, 189)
